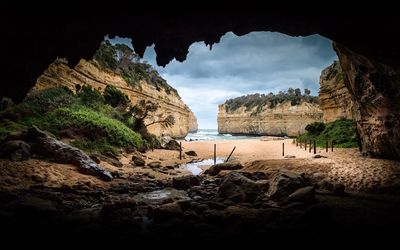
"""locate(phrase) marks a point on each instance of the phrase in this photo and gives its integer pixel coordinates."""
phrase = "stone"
(289, 156)
(154, 164)
(339, 189)
(49, 147)
(185, 182)
(15, 150)
(317, 156)
(283, 183)
(191, 153)
(138, 159)
(238, 188)
(305, 195)
(172, 145)
(216, 169)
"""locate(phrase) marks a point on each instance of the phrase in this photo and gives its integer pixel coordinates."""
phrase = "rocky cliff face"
(375, 91)
(284, 119)
(334, 97)
(89, 73)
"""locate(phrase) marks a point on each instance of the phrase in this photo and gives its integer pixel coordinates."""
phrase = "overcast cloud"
(260, 62)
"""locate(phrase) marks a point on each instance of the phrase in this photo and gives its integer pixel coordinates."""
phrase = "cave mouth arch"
(370, 63)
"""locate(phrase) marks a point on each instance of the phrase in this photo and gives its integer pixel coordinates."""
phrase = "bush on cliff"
(341, 132)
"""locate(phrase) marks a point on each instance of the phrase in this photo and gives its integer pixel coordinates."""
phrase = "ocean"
(212, 135)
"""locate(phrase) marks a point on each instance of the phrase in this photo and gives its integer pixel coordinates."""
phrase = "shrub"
(49, 99)
(341, 132)
(315, 128)
(90, 97)
(98, 125)
(114, 96)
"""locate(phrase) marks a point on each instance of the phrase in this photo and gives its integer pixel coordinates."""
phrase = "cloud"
(257, 62)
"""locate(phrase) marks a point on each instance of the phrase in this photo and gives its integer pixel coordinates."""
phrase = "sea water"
(213, 135)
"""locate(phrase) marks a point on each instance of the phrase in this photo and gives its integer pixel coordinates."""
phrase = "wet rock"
(47, 146)
(172, 145)
(154, 164)
(191, 153)
(283, 183)
(238, 188)
(215, 169)
(15, 150)
(289, 156)
(305, 195)
(339, 189)
(185, 182)
(138, 159)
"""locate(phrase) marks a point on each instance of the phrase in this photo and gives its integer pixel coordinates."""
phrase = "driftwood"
(44, 145)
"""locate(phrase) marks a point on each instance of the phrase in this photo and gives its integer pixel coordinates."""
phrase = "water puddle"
(195, 167)
(162, 196)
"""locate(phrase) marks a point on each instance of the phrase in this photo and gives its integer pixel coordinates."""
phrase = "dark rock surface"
(15, 150)
(49, 147)
(283, 183)
(216, 169)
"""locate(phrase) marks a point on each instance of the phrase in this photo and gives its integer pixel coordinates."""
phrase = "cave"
(366, 43)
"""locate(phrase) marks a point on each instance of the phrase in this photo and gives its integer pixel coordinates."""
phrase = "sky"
(260, 62)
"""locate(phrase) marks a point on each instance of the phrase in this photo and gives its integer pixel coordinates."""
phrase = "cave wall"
(375, 91)
(31, 43)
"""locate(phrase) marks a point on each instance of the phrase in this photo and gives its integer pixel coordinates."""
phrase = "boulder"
(154, 164)
(15, 150)
(47, 146)
(167, 212)
(191, 153)
(238, 188)
(138, 159)
(172, 145)
(284, 182)
(339, 189)
(305, 195)
(185, 182)
(215, 169)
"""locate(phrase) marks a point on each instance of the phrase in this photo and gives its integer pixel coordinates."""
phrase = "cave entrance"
(256, 64)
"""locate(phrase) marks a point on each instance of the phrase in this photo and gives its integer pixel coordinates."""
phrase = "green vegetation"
(122, 60)
(259, 101)
(341, 132)
(93, 123)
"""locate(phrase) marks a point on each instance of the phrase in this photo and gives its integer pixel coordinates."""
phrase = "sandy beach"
(344, 166)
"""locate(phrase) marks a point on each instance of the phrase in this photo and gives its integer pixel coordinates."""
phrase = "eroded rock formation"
(284, 119)
(375, 90)
(89, 73)
(334, 97)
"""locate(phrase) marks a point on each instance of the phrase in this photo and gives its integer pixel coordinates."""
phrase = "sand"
(345, 166)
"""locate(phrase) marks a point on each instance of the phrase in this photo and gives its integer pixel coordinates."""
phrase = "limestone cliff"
(375, 91)
(335, 99)
(283, 119)
(90, 73)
